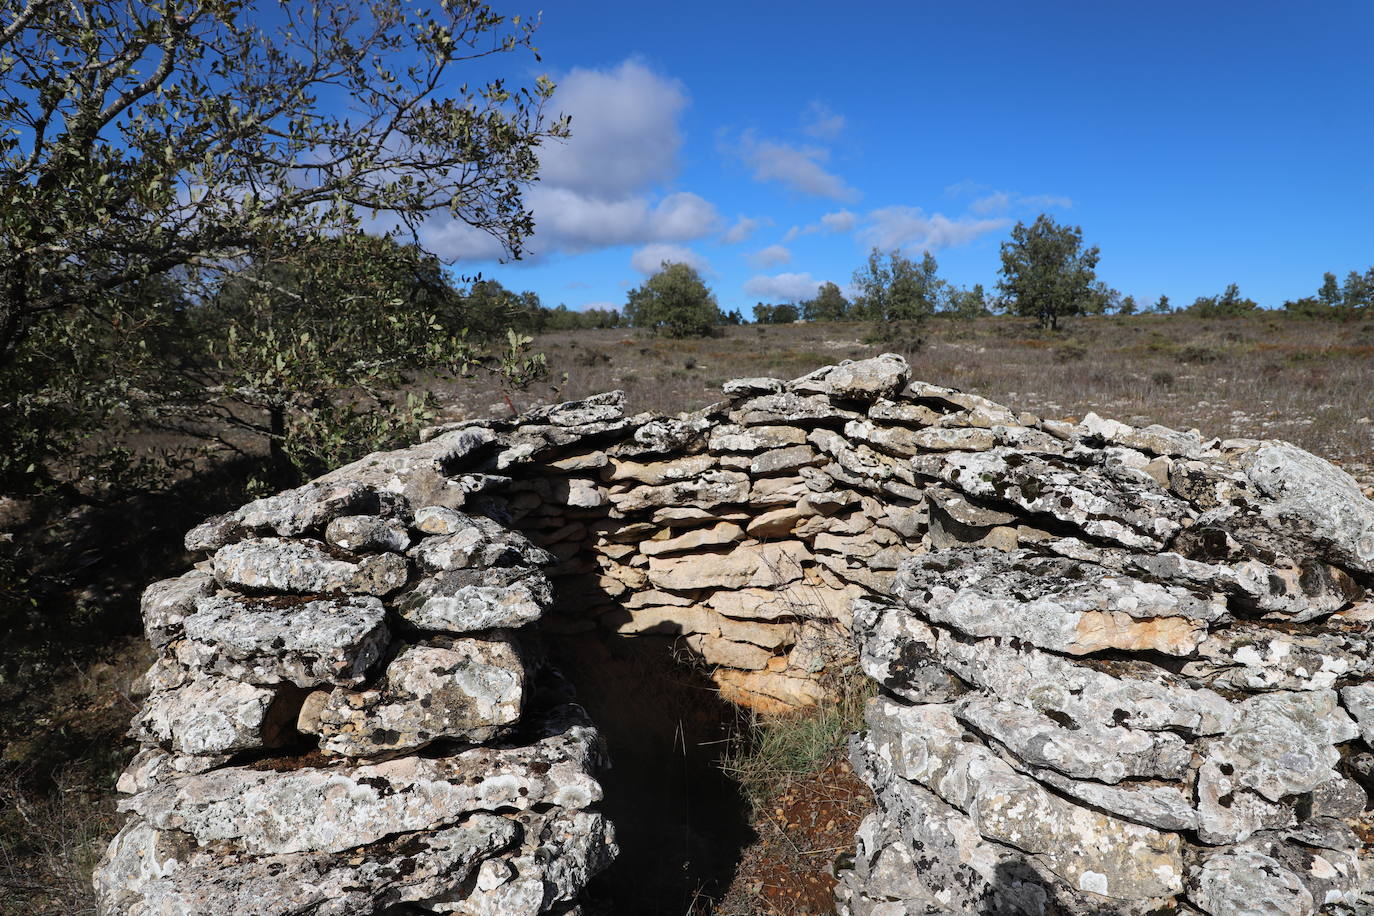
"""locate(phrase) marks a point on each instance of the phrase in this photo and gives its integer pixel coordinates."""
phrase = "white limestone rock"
(302, 567)
(899, 652)
(658, 473)
(711, 488)
(468, 689)
(1053, 603)
(265, 812)
(758, 566)
(1106, 753)
(717, 535)
(1254, 658)
(788, 409)
(1284, 743)
(467, 600)
(557, 856)
(747, 386)
(211, 716)
(1358, 700)
(422, 474)
(272, 642)
(1139, 515)
(479, 544)
(165, 605)
(1088, 851)
(1247, 882)
(1155, 439)
(856, 380)
(731, 438)
(310, 507)
(367, 533)
(147, 871)
(1315, 501)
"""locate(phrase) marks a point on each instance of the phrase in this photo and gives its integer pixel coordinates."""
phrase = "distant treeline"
(893, 287)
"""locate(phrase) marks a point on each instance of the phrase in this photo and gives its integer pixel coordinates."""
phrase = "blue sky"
(772, 144)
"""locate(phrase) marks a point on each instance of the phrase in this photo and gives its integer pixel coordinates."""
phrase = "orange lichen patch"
(768, 692)
(1099, 630)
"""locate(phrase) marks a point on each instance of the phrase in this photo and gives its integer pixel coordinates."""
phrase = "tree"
(898, 290)
(968, 303)
(148, 145)
(1047, 273)
(1230, 304)
(1357, 292)
(673, 302)
(829, 304)
(315, 352)
(786, 313)
(1329, 293)
(1128, 306)
(1162, 305)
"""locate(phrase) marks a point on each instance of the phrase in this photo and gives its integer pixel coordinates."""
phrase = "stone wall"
(1089, 638)
(349, 715)
(1153, 699)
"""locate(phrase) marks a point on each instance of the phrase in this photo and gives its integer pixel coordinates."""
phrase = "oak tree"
(151, 149)
(673, 302)
(1048, 274)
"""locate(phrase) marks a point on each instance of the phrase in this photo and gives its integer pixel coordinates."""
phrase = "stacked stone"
(1121, 670)
(347, 715)
(1131, 675)
(744, 531)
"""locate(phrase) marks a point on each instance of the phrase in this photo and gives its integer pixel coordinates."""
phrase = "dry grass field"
(1309, 382)
(1266, 376)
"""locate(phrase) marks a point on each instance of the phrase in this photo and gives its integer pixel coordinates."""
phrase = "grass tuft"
(773, 751)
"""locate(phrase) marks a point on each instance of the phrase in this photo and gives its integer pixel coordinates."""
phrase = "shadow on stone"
(681, 824)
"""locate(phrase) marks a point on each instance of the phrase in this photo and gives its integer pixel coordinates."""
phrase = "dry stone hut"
(1119, 670)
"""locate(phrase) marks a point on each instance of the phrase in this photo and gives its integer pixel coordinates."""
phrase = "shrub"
(674, 302)
(1199, 354)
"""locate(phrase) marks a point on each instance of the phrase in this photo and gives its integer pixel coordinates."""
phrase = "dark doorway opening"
(681, 823)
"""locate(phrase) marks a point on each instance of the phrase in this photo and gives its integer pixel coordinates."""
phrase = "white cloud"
(1045, 202)
(649, 259)
(598, 189)
(569, 221)
(839, 221)
(997, 202)
(455, 241)
(910, 228)
(797, 167)
(772, 256)
(566, 220)
(821, 122)
(744, 226)
(966, 188)
(786, 287)
(624, 131)
(990, 200)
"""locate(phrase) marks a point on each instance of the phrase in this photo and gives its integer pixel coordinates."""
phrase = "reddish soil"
(802, 832)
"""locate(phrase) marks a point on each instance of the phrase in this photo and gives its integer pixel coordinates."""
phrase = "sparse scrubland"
(1266, 375)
